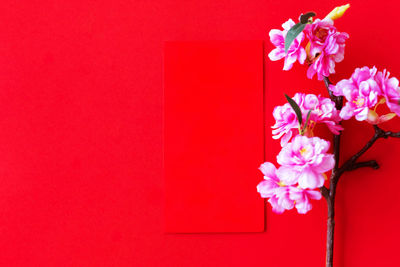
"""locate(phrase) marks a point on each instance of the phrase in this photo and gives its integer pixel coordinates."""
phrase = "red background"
(81, 136)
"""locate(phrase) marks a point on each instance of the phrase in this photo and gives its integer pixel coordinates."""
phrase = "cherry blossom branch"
(327, 82)
(324, 191)
(351, 164)
(337, 99)
(330, 193)
(386, 134)
(371, 163)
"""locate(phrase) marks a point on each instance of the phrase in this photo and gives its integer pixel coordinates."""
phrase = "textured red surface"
(81, 136)
(214, 136)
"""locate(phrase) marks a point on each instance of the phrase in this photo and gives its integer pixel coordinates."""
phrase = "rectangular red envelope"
(214, 136)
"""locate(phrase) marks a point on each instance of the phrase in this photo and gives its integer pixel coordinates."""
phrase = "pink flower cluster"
(366, 89)
(323, 110)
(304, 159)
(325, 47)
(295, 52)
(303, 164)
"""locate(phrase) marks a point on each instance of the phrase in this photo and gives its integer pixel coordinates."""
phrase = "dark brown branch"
(386, 134)
(327, 82)
(350, 163)
(336, 152)
(337, 99)
(330, 193)
(372, 163)
(336, 139)
(324, 191)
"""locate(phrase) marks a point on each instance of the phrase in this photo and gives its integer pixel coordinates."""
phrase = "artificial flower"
(390, 90)
(323, 110)
(295, 52)
(326, 47)
(267, 187)
(285, 121)
(281, 196)
(271, 187)
(281, 200)
(361, 92)
(302, 198)
(304, 161)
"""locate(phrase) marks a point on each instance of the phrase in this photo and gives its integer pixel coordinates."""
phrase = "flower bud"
(337, 12)
(374, 118)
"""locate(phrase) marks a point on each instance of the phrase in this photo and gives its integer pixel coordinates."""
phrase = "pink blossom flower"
(323, 110)
(361, 92)
(390, 89)
(304, 161)
(326, 47)
(281, 201)
(284, 197)
(267, 187)
(285, 121)
(302, 199)
(295, 52)
(272, 188)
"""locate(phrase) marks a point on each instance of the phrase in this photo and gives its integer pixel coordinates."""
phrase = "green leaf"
(292, 34)
(308, 117)
(296, 109)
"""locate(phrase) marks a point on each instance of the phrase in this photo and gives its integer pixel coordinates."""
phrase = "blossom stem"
(324, 191)
(337, 99)
(330, 225)
(330, 193)
(327, 82)
(371, 163)
(350, 165)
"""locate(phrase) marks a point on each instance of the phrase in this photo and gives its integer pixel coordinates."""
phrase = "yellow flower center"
(359, 102)
(303, 151)
(281, 184)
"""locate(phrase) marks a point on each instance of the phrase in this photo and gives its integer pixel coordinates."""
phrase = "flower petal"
(310, 179)
(268, 169)
(287, 175)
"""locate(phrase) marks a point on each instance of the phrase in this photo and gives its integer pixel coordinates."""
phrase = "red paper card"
(214, 137)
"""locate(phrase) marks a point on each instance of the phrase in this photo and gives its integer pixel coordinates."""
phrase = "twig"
(330, 193)
(324, 191)
(349, 165)
(372, 163)
(337, 99)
